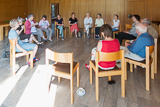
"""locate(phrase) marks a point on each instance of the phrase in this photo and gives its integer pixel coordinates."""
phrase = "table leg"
(6, 31)
(1, 33)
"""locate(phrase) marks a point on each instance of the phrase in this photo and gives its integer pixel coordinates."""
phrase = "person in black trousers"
(132, 34)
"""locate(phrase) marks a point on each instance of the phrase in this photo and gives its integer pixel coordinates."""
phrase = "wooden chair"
(94, 30)
(146, 64)
(155, 54)
(57, 30)
(128, 27)
(64, 67)
(101, 56)
(13, 55)
(91, 30)
(120, 30)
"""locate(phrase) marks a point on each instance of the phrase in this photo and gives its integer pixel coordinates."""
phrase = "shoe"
(60, 35)
(88, 36)
(45, 39)
(87, 66)
(40, 43)
(62, 38)
(35, 59)
(50, 39)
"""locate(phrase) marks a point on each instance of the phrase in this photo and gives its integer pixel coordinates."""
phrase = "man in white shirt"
(87, 24)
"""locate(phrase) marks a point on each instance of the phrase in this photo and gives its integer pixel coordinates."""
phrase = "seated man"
(44, 25)
(132, 34)
(150, 29)
(87, 24)
(30, 28)
(137, 50)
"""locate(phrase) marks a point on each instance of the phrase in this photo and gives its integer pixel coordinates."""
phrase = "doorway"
(54, 13)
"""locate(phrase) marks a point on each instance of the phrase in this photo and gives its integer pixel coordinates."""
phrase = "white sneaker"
(50, 39)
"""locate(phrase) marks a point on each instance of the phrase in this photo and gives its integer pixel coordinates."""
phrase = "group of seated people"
(141, 34)
(73, 22)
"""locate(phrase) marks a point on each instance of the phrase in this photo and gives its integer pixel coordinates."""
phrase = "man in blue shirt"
(137, 50)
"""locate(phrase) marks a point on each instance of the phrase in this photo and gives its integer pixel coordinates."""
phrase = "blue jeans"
(61, 30)
(113, 29)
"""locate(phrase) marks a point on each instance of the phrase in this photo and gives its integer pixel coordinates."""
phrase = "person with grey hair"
(150, 29)
(87, 24)
(136, 51)
(30, 28)
(20, 45)
(23, 36)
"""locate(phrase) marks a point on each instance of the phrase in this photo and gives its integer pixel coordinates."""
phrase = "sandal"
(40, 43)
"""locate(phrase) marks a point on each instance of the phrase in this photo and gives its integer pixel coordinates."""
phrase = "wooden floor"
(110, 95)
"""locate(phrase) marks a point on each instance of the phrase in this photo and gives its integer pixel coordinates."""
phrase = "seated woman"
(59, 25)
(116, 23)
(30, 28)
(107, 45)
(73, 22)
(87, 24)
(44, 25)
(99, 22)
(132, 34)
(20, 45)
(23, 36)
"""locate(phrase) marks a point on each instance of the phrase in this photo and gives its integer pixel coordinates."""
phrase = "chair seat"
(63, 67)
(101, 70)
(143, 62)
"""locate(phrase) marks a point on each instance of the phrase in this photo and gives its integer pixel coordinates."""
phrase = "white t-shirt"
(115, 24)
(88, 20)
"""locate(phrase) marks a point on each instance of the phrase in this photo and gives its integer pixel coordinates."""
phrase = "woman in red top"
(107, 45)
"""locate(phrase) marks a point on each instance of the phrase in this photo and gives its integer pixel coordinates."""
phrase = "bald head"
(141, 29)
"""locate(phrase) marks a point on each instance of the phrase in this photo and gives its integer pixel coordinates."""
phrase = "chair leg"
(97, 87)
(27, 58)
(131, 67)
(59, 79)
(90, 74)
(153, 67)
(125, 70)
(57, 33)
(14, 64)
(147, 78)
(135, 66)
(109, 78)
(78, 76)
(31, 60)
(71, 84)
(65, 32)
(155, 60)
(122, 85)
(11, 58)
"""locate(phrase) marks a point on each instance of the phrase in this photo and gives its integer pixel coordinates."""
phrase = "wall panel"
(145, 8)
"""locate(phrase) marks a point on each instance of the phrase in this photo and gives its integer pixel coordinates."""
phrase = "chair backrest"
(55, 25)
(59, 57)
(128, 27)
(24, 27)
(149, 51)
(112, 56)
